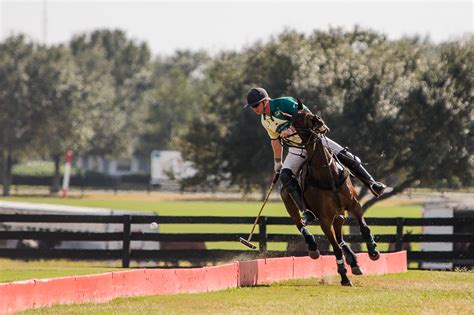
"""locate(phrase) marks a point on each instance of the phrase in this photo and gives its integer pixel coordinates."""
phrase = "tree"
(243, 148)
(438, 113)
(176, 95)
(55, 80)
(377, 95)
(117, 71)
(19, 118)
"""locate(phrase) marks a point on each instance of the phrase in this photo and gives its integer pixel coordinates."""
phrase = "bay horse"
(327, 191)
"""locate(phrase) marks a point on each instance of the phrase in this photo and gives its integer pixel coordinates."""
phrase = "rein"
(331, 176)
(298, 145)
(314, 139)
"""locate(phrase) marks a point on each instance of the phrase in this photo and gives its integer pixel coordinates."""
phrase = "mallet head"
(247, 243)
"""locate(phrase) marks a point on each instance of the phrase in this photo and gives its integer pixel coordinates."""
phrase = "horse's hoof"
(375, 255)
(347, 283)
(314, 254)
(356, 271)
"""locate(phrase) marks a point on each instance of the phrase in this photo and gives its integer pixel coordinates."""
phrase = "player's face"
(258, 108)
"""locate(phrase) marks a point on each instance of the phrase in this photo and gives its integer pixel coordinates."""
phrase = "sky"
(230, 25)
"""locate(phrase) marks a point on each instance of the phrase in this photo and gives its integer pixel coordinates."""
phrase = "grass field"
(13, 270)
(206, 204)
(414, 292)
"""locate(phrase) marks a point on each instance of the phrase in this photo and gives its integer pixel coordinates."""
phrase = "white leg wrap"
(339, 261)
(342, 244)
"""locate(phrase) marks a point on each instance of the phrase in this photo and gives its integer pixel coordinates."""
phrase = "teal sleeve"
(290, 106)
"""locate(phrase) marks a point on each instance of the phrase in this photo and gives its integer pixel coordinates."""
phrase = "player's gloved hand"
(288, 132)
(277, 168)
(277, 165)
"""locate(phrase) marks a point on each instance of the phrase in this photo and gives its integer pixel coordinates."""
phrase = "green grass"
(13, 270)
(204, 208)
(188, 208)
(414, 292)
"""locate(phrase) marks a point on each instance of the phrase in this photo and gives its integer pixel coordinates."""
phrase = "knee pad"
(288, 180)
(286, 176)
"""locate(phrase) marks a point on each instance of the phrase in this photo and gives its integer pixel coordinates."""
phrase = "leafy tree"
(55, 81)
(438, 115)
(19, 118)
(378, 95)
(202, 147)
(175, 97)
(244, 149)
(117, 70)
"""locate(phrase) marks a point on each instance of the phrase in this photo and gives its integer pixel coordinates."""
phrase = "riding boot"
(291, 185)
(355, 166)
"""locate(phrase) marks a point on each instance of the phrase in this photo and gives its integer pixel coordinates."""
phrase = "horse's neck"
(321, 161)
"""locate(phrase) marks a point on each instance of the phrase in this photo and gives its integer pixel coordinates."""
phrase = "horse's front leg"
(292, 210)
(372, 250)
(351, 258)
(327, 227)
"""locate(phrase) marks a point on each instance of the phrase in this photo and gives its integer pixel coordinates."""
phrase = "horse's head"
(306, 123)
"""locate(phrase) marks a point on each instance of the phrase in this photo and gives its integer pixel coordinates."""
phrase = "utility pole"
(45, 21)
(3, 26)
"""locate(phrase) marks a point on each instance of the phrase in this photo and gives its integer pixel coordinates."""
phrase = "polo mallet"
(246, 242)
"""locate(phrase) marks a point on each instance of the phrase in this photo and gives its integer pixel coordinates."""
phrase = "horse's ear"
(298, 120)
(300, 104)
(292, 119)
(317, 121)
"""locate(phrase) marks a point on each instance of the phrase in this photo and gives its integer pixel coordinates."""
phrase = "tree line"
(405, 106)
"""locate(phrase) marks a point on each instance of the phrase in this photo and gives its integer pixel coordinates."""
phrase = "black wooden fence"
(462, 253)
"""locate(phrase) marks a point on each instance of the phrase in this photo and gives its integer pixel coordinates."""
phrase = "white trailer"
(168, 166)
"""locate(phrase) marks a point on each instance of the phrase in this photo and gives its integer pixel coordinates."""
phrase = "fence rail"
(126, 236)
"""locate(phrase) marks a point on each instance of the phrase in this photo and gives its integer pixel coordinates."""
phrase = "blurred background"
(148, 98)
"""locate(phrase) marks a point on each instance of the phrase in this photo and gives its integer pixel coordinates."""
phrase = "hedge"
(89, 179)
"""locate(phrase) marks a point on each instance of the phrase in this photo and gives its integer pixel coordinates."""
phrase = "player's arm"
(277, 153)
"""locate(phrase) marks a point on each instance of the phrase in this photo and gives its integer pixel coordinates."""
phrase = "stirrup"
(308, 217)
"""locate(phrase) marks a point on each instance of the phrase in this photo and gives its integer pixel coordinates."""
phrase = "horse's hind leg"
(292, 210)
(351, 258)
(372, 250)
(327, 227)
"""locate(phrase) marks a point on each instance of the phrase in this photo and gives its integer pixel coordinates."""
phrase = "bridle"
(301, 145)
(315, 138)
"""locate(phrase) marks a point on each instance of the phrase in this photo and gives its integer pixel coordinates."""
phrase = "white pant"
(296, 156)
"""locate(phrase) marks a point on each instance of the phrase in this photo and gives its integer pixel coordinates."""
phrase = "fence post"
(262, 234)
(126, 241)
(399, 242)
